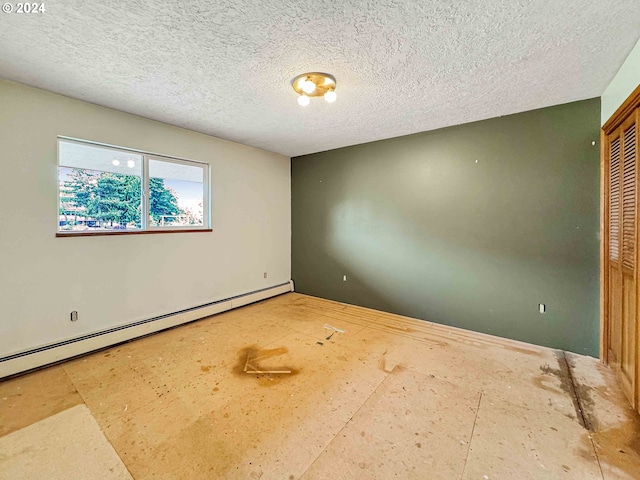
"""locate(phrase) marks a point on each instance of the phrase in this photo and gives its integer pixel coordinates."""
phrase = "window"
(105, 189)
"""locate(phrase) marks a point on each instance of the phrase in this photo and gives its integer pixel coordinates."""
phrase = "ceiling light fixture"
(314, 84)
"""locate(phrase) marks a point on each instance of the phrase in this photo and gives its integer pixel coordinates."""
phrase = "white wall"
(625, 82)
(115, 280)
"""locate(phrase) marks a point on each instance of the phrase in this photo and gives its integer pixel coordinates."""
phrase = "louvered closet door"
(623, 254)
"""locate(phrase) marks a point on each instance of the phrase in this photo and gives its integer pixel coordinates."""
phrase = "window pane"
(176, 194)
(99, 188)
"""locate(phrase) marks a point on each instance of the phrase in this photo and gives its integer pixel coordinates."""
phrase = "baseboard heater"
(55, 352)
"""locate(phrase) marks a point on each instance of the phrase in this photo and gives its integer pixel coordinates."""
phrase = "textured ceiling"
(224, 67)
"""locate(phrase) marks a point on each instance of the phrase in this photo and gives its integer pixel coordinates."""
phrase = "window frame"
(145, 227)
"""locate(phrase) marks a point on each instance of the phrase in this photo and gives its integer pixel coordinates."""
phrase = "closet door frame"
(628, 110)
(620, 115)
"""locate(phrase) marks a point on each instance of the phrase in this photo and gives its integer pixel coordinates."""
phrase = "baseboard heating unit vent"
(55, 352)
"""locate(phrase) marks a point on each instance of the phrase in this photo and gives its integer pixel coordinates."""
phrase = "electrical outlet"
(74, 316)
(542, 308)
(265, 274)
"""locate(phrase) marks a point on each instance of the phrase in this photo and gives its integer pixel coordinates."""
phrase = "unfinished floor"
(391, 397)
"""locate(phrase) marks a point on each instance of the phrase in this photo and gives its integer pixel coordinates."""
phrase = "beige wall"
(625, 82)
(120, 279)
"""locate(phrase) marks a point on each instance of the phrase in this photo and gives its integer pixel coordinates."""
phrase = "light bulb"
(308, 86)
(330, 96)
(131, 163)
(303, 100)
(115, 162)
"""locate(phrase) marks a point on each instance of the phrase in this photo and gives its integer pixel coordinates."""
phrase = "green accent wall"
(471, 226)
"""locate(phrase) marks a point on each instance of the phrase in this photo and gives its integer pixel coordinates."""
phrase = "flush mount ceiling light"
(314, 84)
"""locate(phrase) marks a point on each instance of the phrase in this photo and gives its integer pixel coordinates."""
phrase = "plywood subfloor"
(391, 397)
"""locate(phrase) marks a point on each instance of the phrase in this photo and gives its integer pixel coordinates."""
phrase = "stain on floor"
(251, 360)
